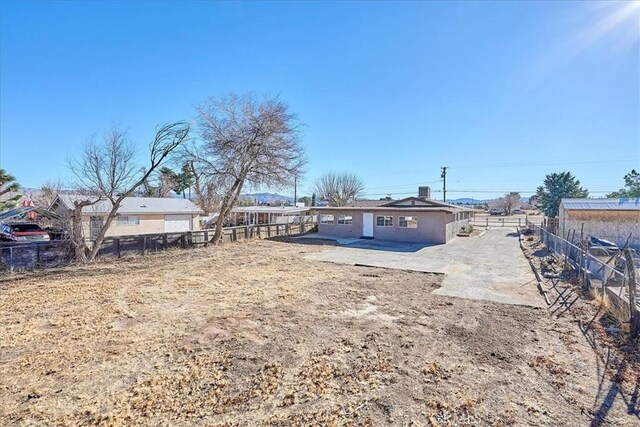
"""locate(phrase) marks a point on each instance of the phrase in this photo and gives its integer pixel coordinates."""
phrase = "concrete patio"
(487, 267)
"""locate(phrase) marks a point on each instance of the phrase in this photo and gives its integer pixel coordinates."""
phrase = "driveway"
(488, 267)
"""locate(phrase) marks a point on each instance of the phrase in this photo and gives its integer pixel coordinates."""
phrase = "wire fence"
(611, 272)
(57, 253)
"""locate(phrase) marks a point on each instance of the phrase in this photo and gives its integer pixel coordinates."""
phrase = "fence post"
(144, 245)
(37, 256)
(206, 238)
(183, 241)
(190, 238)
(287, 229)
(269, 231)
(164, 241)
(487, 218)
(117, 241)
(234, 235)
(633, 308)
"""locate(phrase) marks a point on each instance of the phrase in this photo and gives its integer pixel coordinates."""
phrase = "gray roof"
(285, 210)
(21, 211)
(622, 204)
(389, 209)
(135, 205)
(420, 202)
(365, 203)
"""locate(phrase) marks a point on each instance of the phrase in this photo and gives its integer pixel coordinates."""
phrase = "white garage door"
(175, 223)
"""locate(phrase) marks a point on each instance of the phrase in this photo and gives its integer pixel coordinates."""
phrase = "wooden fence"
(55, 253)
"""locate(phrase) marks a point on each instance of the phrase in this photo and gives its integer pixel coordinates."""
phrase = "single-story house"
(413, 219)
(136, 215)
(244, 215)
(609, 219)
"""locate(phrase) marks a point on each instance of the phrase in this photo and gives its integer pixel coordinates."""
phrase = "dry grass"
(252, 334)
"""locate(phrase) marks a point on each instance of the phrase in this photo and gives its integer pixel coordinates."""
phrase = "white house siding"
(149, 224)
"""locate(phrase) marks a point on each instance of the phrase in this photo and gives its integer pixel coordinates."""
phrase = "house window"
(128, 220)
(326, 219)
(408, 221)
(384, 221)
(345, 219)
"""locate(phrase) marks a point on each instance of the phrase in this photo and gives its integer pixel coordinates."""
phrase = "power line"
(404, 185)
(479, 191)
(514, 165)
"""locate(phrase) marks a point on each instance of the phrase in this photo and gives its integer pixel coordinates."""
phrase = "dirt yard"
(253, 334)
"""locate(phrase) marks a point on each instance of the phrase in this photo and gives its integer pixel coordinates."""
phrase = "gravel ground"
(254, 334)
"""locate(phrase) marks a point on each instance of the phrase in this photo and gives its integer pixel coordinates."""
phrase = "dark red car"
(22, 232)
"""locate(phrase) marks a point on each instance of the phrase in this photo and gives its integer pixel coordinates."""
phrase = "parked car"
(495, 211)
(517, 212)
(22, 231)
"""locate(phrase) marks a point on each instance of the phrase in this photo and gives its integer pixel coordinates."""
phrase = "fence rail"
(56, 253)
(611, 274)
(498, 222)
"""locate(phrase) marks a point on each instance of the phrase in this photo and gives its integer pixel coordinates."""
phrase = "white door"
(367, 224)
(176, 223)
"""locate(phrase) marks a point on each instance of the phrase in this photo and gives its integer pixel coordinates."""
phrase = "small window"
(128, 220)
(384, 221)
(345, 219)
(408, 222)
(326, 219)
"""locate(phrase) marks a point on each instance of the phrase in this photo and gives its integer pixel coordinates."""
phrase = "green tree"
(8, 184)
(632, 184)
(306, 200)
(186, 179)
(313, 199)
(558, 186)
(179, 181)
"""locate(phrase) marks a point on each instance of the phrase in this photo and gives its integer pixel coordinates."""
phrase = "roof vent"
(424, 193)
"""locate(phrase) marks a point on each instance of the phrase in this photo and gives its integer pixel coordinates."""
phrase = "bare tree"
(206, 190)
(159, 184)
(338, 189)
(245, 140)
(507, 203)
(47, 193)
(107, 172)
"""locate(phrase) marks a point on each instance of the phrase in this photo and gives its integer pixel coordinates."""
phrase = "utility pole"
(443, 175)
(295, 190)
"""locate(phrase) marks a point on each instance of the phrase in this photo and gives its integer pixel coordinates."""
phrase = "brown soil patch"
(252, 334)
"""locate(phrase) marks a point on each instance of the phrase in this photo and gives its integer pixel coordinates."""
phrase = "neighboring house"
(413, 219)
(243, 215)
(609, 219)
(137, 215)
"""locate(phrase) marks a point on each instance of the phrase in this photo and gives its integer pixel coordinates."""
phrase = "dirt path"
(254, 334)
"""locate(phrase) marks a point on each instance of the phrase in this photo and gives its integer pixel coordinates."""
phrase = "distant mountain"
(470, 201)
(267, 197)
(466, 201)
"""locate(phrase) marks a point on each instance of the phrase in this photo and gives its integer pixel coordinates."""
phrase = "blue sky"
(501, 92)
